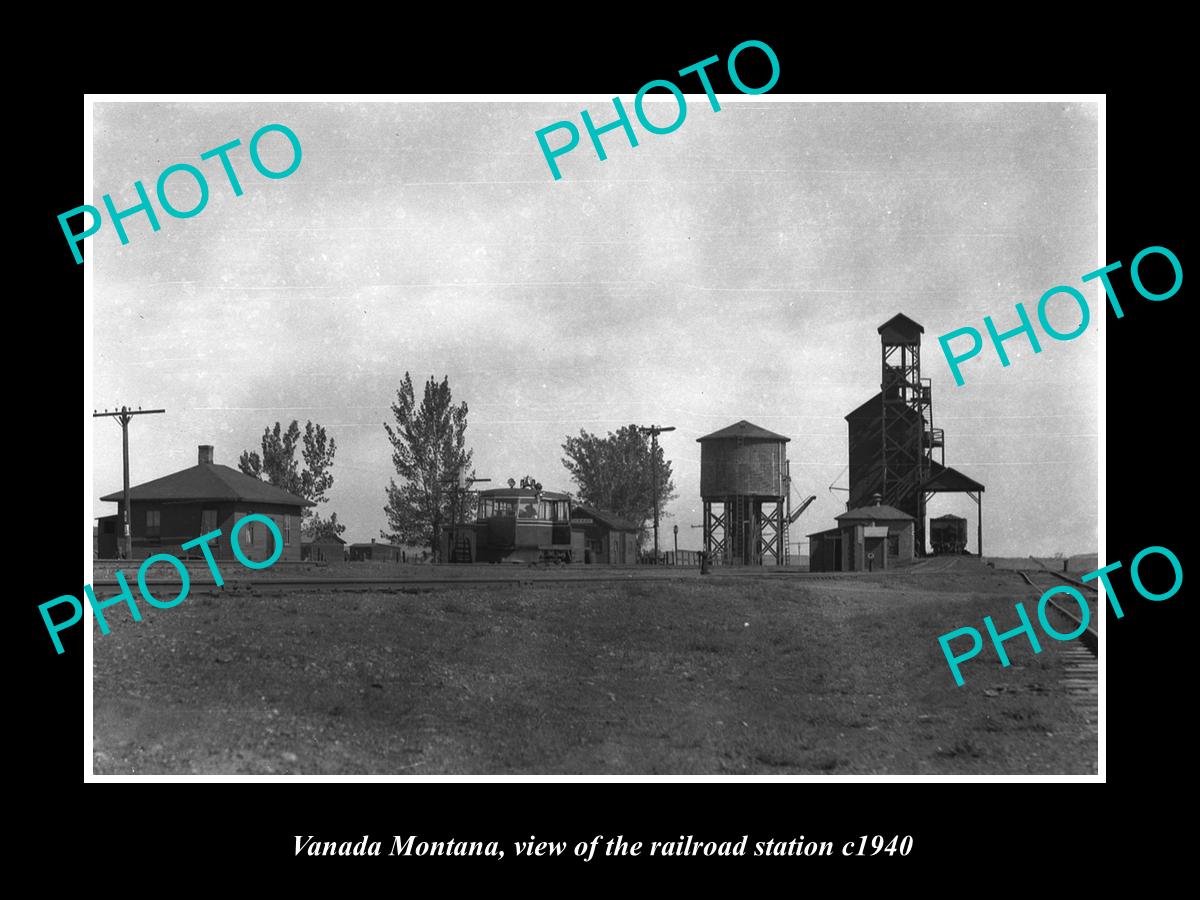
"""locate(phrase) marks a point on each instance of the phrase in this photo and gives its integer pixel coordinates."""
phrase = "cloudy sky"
(735, 269)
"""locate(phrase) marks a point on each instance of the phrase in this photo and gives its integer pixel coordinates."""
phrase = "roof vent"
(876, 499)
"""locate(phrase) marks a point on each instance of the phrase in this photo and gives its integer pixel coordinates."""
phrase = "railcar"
(948, 534)
(518, 524)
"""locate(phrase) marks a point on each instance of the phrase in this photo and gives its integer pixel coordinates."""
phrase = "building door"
(209, 525)
(462, 550)
(874, 554)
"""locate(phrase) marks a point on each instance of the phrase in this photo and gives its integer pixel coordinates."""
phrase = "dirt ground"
(716, 675)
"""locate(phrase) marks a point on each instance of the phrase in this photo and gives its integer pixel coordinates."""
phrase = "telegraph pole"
(124, 415)
(654, 431)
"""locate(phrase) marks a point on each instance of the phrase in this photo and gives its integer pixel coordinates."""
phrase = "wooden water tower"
(744, 486)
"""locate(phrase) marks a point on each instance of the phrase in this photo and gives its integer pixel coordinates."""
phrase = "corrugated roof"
(743, 429)
(209, 481)
(604, 518)
(881, 513)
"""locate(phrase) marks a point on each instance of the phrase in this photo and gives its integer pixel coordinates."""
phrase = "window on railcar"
(504, 508)
(555, 510)
(527, 508)
(486, 505)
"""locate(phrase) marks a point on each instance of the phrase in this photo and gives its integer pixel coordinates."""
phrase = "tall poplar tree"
(428, 450)
(278, 465)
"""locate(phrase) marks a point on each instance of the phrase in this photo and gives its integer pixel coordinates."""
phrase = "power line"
(124, 415)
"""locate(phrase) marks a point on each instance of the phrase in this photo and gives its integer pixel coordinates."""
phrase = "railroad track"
(521, 579)
(385, 584)
(1081, 667)
(1046, 580)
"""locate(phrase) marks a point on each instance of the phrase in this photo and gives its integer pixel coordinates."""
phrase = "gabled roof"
(209, 481)
(881, 513)
(743, 429)
(902, 324)
(323, 539)
(604, 518)
(874, 408)
(943, 478)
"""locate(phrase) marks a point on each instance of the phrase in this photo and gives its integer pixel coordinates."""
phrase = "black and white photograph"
(490, 436)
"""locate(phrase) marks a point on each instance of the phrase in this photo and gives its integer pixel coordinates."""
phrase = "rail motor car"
(948, 534)
(517, 524)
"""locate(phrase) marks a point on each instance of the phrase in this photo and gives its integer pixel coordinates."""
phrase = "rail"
(1061, 576)
(1090, 637)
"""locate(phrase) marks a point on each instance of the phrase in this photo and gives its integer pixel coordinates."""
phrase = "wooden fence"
(681, 558)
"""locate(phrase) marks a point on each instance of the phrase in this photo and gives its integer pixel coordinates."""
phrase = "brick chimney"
(206, 454)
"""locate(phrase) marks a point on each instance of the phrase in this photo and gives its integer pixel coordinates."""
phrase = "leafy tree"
(315, 528)
(278, 465)
(616, 474)
(428, 450)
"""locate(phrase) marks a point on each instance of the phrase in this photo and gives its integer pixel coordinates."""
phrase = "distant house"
(607, 539)
(177, 508)
(376, 551)
(330, 548)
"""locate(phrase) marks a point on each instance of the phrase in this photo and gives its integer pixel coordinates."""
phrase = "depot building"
(866, 539)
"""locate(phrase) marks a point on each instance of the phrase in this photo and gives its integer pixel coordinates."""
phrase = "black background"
(975, 834)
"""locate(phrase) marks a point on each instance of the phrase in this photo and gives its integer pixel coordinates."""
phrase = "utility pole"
(124, 415)
(654, 431)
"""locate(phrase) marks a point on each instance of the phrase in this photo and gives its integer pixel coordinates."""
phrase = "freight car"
(948, 534)
(516, 524)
